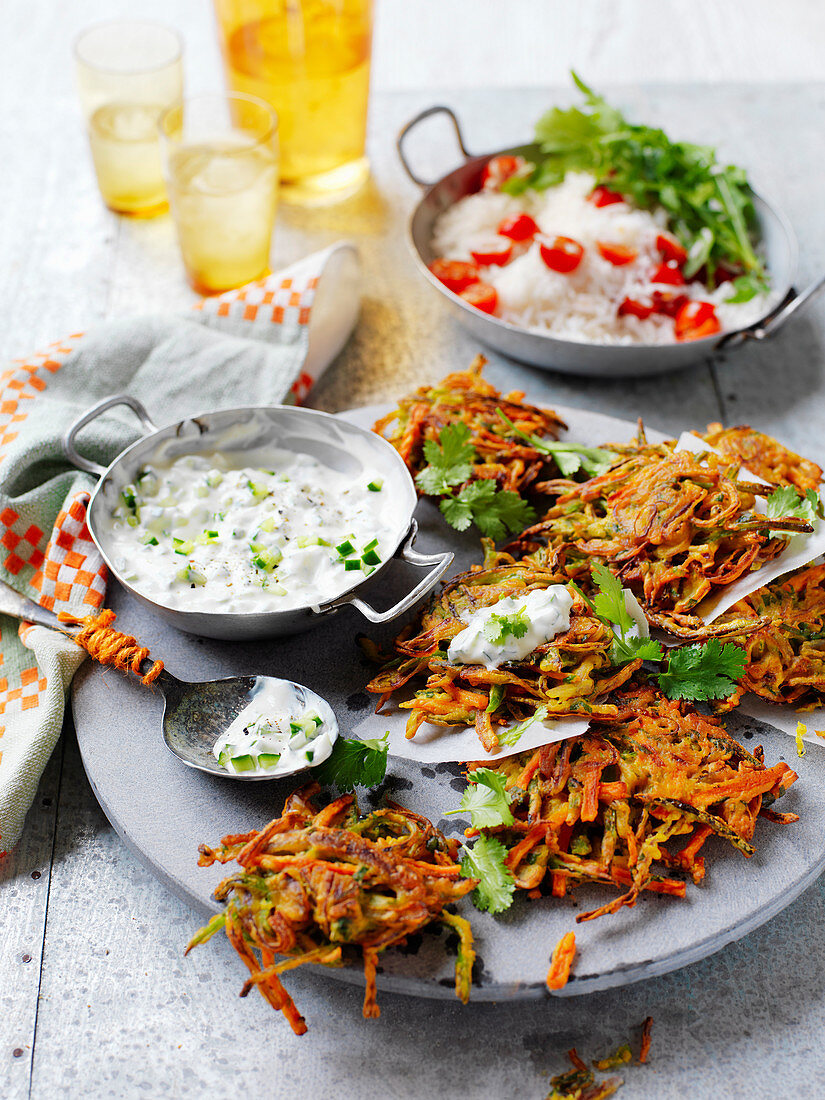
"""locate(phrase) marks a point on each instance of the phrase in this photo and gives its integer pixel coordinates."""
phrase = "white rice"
(581, 305)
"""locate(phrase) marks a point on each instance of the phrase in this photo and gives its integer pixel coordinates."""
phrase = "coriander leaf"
(746, 287)
(512, 736)
(457, 513)
(631, 649)
(609, 602)
(354, 763)
(435, 482)
(499, 628)
(504, 513)
(486, 800)
(569, 457)
(450, 461)
(452, 448)
(786, 501)
(494, 513)
(496, 886)
(707, 671)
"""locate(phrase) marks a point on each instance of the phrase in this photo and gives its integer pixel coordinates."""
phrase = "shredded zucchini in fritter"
(673, 526)
(571, 675)
(601, 808)
(786, 653)
(315, 882)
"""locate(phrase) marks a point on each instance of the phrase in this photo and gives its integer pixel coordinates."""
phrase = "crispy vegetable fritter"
(314, 882)
(466, 398)
(673, 526)
(571, 675)
(764, 456)
(786, 654)
(600, 808)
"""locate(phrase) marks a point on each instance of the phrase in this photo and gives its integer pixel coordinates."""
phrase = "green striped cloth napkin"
(266, 343)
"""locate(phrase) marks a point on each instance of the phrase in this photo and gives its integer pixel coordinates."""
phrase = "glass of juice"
(309, 59)
(221, 165)
(128, 73)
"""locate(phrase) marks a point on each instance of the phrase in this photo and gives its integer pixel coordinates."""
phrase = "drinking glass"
(128, 73)
(310, 59)
(221, 165)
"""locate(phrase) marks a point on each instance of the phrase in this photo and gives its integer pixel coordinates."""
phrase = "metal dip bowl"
(777, 242)
(304, 431)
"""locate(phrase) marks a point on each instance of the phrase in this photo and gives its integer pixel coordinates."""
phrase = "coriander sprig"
(496, 512)
(569, 457)
(706, 670)
(485, 861)
(609, 604)
(450, 461)
(353, 763)
(786, 502)
(498, 628)
(485, 799)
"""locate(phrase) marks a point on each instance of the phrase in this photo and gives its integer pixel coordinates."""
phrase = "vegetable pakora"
(468, 399)
(314, 882)
(600, 808)
(570, 675)
(786, 653)
(673, 526)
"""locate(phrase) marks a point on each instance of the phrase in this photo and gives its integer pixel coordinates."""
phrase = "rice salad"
(616, 281)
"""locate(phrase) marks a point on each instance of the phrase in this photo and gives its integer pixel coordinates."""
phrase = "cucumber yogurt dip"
(278, 732)
(205, 531)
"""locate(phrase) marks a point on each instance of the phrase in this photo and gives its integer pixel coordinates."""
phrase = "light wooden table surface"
(95, 999)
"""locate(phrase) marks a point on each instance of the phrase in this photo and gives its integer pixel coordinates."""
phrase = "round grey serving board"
(164, 810)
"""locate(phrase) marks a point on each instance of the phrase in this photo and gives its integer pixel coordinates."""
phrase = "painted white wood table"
(95, 997)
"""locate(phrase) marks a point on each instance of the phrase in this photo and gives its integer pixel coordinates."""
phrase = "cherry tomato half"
(482, 296)
(499, 169)
(455, 274)
(696, 320)
(561, 254)
(633, 308)
(497, 253)
(671, 249)
(669, 273)
(519, 227)
(603, 196)
(668, 305)
(616, 254)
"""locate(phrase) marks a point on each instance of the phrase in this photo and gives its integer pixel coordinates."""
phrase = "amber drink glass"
(128, 73)
(309, 59)
(221, 165)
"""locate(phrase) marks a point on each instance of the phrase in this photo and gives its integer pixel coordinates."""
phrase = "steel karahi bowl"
(332, 441)
(777, 242)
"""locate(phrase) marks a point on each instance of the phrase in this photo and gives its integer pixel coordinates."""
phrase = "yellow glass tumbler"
(310, 59)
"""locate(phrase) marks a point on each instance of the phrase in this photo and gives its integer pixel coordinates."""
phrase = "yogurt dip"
(269, 530)
(534, 618)
(277, 732)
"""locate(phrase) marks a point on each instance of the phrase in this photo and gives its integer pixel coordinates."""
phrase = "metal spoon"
(196, 714)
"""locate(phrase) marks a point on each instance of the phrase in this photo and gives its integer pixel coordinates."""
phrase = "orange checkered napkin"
(266, 343)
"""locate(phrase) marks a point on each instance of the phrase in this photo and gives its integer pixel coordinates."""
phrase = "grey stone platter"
(164, 810)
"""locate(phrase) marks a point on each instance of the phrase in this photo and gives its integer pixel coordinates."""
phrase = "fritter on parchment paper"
(603, 807)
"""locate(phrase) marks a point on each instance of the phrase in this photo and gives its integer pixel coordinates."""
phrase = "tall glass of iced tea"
(221, 164)
(128, 73)
(310, 59)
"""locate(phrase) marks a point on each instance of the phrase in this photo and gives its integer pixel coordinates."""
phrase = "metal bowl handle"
(405, 130)
(774, 321)
(69, 449)
(440, 563)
